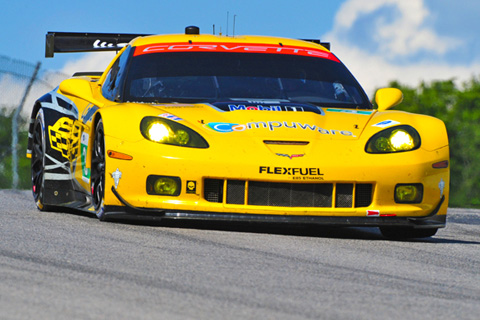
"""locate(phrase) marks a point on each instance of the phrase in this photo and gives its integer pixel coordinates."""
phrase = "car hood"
(273, 120)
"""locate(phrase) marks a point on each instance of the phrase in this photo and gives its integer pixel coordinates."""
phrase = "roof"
(207, 38)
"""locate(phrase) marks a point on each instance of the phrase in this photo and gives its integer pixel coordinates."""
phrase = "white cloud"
(401, 34)
(373, 71)
(14, 87)
(96, 61)
(406, 34)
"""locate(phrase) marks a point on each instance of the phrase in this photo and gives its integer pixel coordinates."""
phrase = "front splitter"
(432, 220)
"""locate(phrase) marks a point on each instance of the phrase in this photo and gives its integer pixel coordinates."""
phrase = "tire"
(39, 147)
(97, 177)
(397, 233)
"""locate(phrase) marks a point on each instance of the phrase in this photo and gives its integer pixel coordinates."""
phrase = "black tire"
(39, 148)
(398, 233)
(97, 183)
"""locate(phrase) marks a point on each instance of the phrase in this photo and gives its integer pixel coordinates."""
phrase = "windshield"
(215, 76)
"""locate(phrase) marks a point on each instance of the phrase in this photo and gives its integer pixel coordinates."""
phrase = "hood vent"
(286, 143)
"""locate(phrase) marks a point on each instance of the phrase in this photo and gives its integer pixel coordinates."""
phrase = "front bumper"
(431, 220)
(332, 164)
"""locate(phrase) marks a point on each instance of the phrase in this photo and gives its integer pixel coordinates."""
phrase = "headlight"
(396, 139)
(170, 132)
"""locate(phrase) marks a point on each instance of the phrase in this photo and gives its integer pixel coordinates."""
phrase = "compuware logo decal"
(226, 127)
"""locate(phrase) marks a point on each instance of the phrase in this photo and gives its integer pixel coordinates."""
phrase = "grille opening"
(280, 194)
(213, 190)
(235, 192)
(289, 194)
(344, 195)
(363, 195)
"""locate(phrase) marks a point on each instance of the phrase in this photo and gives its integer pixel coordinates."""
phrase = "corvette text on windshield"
(233, 47)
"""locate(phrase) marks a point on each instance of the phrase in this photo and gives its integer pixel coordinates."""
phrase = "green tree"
(6, 152)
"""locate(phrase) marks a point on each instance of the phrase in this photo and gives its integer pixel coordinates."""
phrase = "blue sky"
(379, 40)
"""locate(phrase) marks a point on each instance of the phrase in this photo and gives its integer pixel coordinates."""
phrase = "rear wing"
(326, 45)
(86, 42)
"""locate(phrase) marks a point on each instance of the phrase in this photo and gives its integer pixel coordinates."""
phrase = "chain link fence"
(15, 76)
(21, 83)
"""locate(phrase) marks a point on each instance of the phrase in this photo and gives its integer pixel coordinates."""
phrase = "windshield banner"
(235, 47)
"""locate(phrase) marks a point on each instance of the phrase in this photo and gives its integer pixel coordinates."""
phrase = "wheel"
(38, 161)
(406, 233)
(98, 172)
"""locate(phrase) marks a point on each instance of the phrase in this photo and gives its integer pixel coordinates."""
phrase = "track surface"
(71, 266)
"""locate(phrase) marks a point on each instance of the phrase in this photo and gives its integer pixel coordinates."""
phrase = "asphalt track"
(57, 265)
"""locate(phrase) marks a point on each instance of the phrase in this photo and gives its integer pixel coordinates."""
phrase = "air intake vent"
(363, 195)
(294, 195)
(344, 195)
(289, 194)
(286, 143)
(213, 191)
(235, 192)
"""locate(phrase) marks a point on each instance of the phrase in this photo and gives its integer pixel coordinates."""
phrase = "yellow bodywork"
(332, 149)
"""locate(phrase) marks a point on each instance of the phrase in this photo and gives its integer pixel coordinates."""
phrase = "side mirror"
(387, 98)
(79, 88)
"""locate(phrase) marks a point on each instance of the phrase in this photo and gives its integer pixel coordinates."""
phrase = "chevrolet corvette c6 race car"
(244, 128)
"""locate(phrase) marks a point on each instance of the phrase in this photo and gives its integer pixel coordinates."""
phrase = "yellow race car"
(244, 128)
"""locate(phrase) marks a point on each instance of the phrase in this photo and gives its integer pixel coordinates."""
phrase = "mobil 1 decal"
(267, 106)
